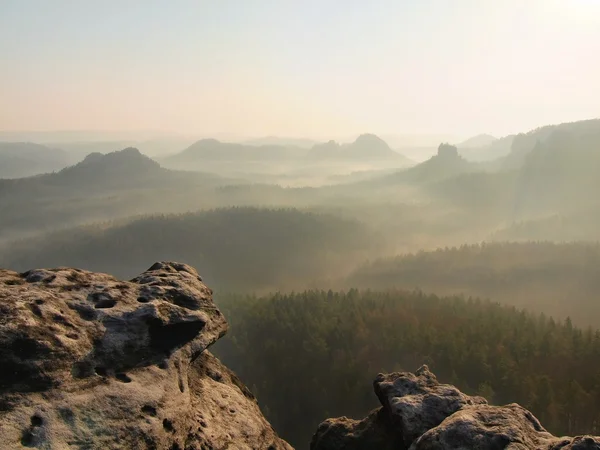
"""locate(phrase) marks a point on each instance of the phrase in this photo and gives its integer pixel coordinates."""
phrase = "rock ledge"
(92, 362)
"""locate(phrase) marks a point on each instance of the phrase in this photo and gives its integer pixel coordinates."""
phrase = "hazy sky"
(303, 67)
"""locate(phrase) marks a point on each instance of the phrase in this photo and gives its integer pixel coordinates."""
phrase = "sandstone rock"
(509, 427)
(418, 413)
(373, 432)
(417, 402)
(487, 427)
(577, 443)
(88, 361)
(226, 411)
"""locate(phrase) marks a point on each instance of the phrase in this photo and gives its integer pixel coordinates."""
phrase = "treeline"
(559, 279)
(313, 355)
(242, 249)
(581, 225)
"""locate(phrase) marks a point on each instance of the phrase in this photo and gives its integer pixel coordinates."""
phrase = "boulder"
(373, 432)
(89, 361)
(416, 402)
(487, 427)
(418, 413)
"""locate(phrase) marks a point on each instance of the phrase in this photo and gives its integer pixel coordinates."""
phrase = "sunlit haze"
(384, 210)
(298, 68)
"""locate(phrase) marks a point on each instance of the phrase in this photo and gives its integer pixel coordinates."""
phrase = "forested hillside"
(523, 143)
(560, 174)
(99, 188)
(234, 249)
(559, 279)
(581, 225)
(314, 354)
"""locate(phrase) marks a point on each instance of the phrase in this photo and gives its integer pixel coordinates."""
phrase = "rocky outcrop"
(418, 413)
(91, 362)
(417, 402)
(448, 152)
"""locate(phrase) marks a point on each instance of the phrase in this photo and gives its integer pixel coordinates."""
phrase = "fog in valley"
(281, 216)
(358, 203)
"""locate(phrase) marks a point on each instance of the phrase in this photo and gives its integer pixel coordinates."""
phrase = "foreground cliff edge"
(91, 362)
(418, 413)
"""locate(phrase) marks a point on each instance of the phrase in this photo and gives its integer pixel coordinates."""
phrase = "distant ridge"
(446, 163)
(120, 167)
(23, 159)
(127, 168)
(366, 146)
(283, 141)
(524, 143)
(215, 150)
(481, 140)
(129, 158)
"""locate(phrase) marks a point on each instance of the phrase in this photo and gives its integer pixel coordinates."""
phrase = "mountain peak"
(93, 157)
(129, 161)
(130, 151)
(366, 146)
(207, 142)
(481, 140)
(370, 139)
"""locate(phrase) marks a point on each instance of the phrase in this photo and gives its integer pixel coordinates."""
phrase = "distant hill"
(235, 248)
(446, 163)
(557, 279)
(22, 159)
(485, 148)
(100, 187)
(561, 172)
(77, 150)
(113, 169)
(127, 168)
(577, 226)
(481, 140)
(558, 176)
(155, 147)
(477, 191)
(365, 147)
(288, 165)
(281, 141)
(326, 150)
(209, 150)
(123, 169)
(524, 143)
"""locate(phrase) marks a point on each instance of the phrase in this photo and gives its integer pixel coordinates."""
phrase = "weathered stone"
(577, 443)
(373, 432)
(88, 361)
(486, 427)
(226, 410)
(417, 402)
(418, 413)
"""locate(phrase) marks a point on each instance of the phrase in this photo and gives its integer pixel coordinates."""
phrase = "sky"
(312, 68)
